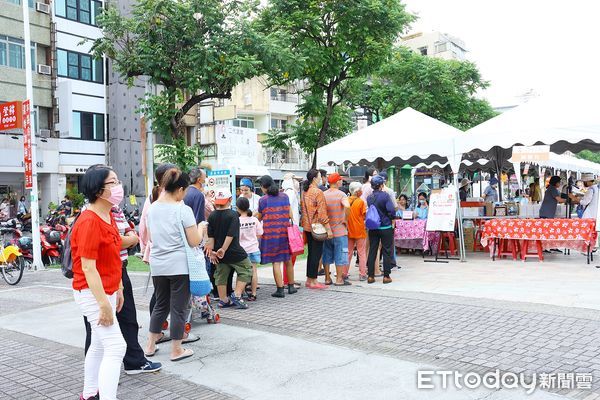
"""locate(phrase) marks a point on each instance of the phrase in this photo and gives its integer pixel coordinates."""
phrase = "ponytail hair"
(243, 204)
(174, 179)
(160, 172)
(310, 176)
(267, 183)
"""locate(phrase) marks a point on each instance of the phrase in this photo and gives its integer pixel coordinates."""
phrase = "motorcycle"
(133, 219)
(25, 220)
(52, 244)
(25, 245)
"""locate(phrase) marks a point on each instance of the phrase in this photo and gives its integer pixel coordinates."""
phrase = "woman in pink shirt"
(250, 232)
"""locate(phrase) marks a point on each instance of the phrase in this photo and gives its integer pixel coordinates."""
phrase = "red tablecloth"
(411, 234)
(573, 233)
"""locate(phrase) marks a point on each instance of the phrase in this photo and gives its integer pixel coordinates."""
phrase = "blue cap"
(247, 182)
(494, 181)
(383, 174)
(377, 180)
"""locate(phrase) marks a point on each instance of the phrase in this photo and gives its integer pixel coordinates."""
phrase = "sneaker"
(362, 278)
(96, 397)
(148, 367)
(238, 302)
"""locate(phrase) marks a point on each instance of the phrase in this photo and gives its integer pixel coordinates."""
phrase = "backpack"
(66, 260)
(373, 220)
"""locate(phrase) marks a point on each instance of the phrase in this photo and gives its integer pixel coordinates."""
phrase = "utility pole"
(35, 213)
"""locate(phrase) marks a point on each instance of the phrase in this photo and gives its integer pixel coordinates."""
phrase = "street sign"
(219, 179)
(27, 146)
(10, 116)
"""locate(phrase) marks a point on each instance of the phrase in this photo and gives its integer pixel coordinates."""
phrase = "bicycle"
(12, 263)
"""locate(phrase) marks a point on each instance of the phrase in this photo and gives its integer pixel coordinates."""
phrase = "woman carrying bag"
(168, 220)
(315, 223)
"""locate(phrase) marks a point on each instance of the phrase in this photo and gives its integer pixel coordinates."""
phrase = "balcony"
(289, 98)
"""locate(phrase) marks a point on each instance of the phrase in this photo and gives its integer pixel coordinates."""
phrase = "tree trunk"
(325, 124)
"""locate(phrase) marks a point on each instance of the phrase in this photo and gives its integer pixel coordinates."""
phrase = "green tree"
(336, 41)
(589, 155)
(192, 50)
(442, 89)
(179, 153)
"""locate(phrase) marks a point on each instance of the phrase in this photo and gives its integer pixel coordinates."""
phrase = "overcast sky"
(521, 44)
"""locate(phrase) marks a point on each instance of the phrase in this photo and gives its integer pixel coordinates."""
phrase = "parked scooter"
(25, 244)
(52, 244)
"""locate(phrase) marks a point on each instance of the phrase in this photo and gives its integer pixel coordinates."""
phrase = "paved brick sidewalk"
(463, 336)
(40, 369)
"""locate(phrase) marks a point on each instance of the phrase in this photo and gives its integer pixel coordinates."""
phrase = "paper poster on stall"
(442, 210)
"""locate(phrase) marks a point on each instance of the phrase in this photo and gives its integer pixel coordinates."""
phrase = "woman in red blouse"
(97, 286)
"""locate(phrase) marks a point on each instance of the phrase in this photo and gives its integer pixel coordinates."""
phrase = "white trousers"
(107, 348)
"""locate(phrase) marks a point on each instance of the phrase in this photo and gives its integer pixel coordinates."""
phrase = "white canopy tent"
(566, 123)
(408, 137)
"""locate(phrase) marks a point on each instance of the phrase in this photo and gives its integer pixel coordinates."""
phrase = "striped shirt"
(314, 208)
(123, 227)
(336, 212)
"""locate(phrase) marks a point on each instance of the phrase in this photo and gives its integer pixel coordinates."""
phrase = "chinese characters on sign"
(27, 145)
(10, 116)
(442, 210)
(219, 180)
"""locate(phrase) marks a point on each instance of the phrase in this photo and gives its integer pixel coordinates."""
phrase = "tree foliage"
(336, 41)
(442, 89)
(589, 155)
(192, 50)
(180, 154)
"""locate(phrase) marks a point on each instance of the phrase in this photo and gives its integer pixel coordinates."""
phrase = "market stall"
(576, 234)
(411, 234)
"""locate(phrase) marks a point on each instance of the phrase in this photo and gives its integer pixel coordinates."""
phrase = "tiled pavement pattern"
(449, 332)
(461, 335)
(35, 369)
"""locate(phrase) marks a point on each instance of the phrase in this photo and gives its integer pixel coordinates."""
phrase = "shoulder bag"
(318, 230)
(199, 281)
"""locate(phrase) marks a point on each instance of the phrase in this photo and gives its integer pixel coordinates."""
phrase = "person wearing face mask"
(423, 208)
(168, 261)
(97, 283)
(247, 191)
(552, 197)
(491, 192)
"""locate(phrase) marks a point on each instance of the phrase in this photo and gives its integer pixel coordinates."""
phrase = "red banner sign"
(10, 116)
(27, 145)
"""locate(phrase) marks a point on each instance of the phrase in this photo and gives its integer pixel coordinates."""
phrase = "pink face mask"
(116, 195)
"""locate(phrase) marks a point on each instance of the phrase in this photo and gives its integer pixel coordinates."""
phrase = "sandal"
(186, 354)
(191, 338)
(163, 338)
(328, 283)
(156, 349)
(251, 297)
(346, 283)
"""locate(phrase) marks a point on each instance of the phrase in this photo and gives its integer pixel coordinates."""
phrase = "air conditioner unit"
(45, 133)
(44, 69)
(42, 7)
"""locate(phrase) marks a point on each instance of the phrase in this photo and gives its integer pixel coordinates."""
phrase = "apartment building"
(436, 44)
(80, 90)
(254, 110)
(12, 87)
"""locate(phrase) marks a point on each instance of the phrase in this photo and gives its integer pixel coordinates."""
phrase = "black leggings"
(315, 251)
